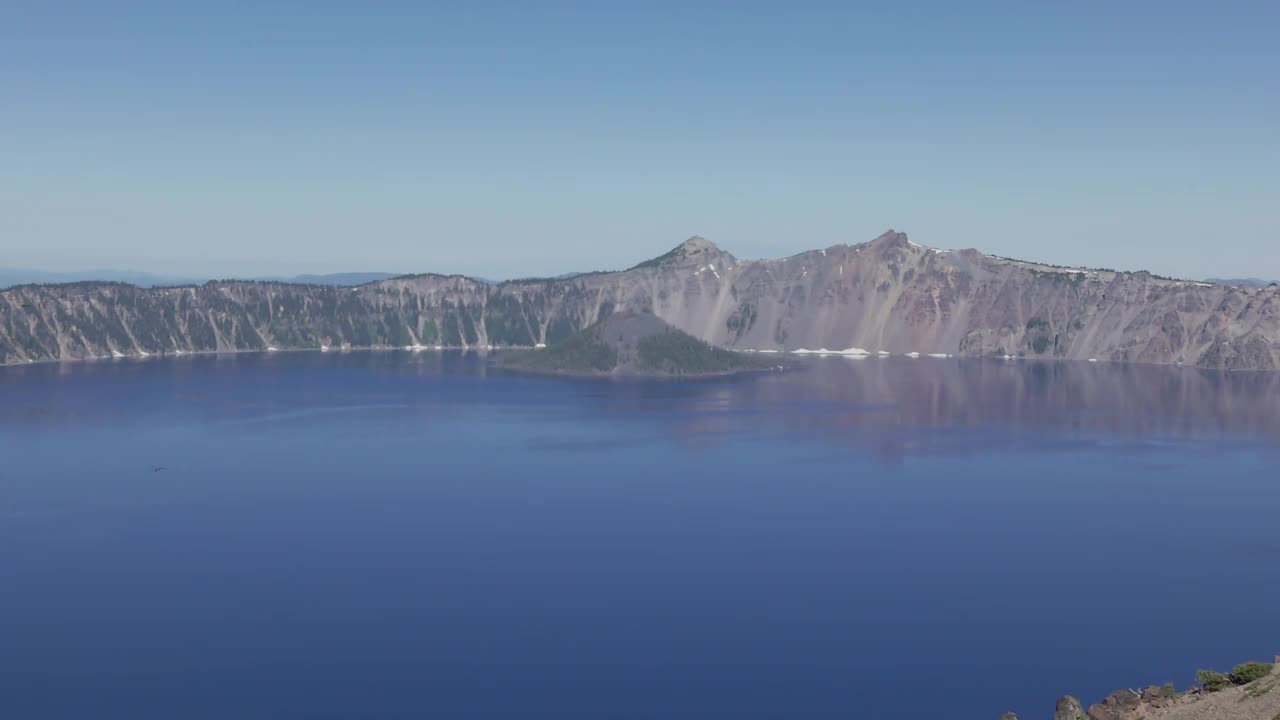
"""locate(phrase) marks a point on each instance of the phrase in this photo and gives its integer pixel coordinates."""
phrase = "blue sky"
(506, 139)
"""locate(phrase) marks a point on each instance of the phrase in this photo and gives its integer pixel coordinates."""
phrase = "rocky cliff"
(887, 295)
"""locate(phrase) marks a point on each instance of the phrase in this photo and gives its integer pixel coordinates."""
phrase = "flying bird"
(157, 468)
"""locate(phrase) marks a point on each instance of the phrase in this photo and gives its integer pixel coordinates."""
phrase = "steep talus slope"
(886, 295)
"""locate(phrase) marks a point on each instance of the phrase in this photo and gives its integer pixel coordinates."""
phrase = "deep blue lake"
(398, 535)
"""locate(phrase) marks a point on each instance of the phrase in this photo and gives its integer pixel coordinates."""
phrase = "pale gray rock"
(1069, 708)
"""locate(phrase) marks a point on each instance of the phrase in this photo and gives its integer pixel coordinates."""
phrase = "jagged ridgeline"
(635, 344)
(887, 295)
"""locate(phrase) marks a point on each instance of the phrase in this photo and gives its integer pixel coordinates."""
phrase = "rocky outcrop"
(887, 295)
(1132, 705)
(1069, 708)
(1119, 705)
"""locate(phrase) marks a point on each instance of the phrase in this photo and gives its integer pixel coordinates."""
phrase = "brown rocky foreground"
(1255, 700)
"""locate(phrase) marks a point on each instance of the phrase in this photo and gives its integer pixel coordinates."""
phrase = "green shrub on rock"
(1213, 681)
(1248, 672)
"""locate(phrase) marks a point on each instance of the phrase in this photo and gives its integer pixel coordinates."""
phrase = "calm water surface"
(390, 535)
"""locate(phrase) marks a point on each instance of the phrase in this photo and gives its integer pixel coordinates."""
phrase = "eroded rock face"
(1132, 705)
(885, 295)
(1069, 708)
(1119, 705)
(1159, 697)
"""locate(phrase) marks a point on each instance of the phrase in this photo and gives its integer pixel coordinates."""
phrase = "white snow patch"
(767, 351)
(324, 348)
(117, 354)
(825, 351)
(913, 354)
(883, 353)
(939, 355)
(912, 243)
(540, 345)
(1093, 359)
(272, 348)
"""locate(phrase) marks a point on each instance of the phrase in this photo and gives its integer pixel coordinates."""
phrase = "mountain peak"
(890, 239)
(696, 249)
(697, 243)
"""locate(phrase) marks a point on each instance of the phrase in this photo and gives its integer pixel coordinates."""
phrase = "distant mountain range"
(889, 295)
(19, 276)
(10, 277)
(1242, 282)
(350, 279)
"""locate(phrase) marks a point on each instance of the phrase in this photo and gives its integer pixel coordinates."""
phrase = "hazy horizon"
(518, 141)
(286, 274)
